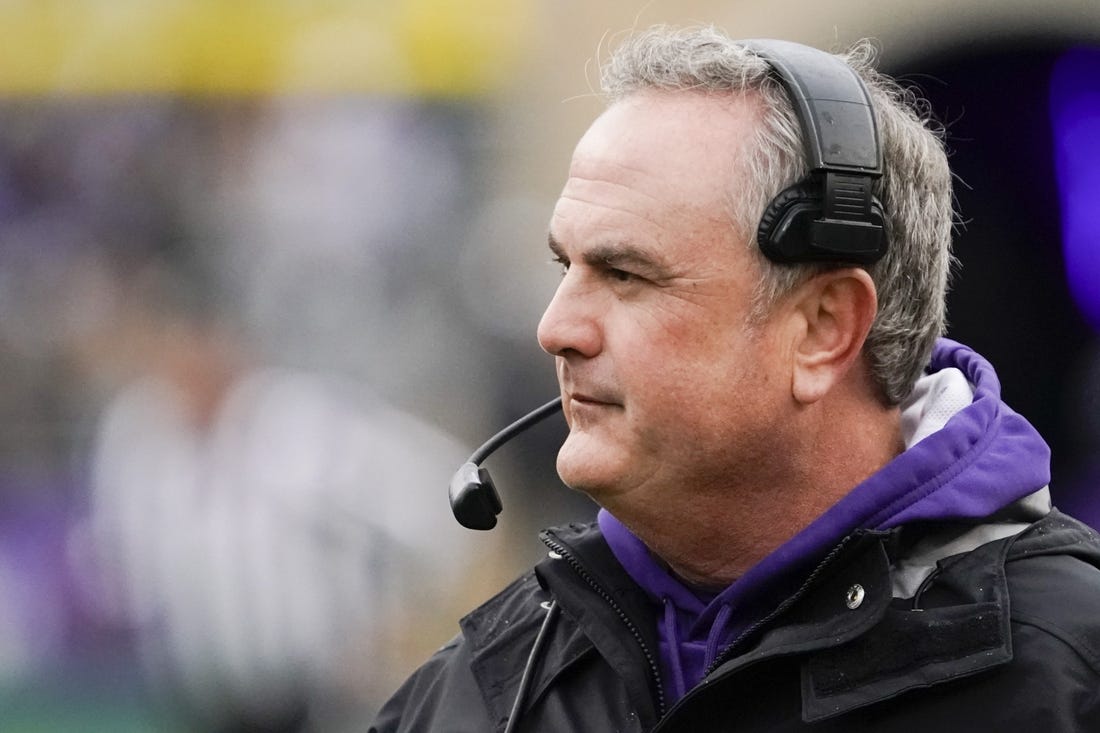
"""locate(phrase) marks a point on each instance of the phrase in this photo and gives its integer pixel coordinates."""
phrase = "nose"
(572, 321)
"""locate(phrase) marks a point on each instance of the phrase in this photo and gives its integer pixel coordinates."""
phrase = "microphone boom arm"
(474, 499)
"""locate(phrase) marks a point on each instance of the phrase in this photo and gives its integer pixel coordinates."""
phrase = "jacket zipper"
(574, 563)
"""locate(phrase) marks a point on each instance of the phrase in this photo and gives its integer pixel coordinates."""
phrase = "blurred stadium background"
(269, 269)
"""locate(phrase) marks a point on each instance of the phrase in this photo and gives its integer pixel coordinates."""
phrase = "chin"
(586, 465)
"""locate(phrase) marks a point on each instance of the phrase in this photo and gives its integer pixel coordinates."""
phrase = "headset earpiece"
(791, 231)
(784, 224)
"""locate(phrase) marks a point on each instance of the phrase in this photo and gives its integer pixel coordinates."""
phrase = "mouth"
(580, 398)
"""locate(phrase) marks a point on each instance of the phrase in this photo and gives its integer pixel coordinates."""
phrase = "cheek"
(675, 350)
(676, 382)
(687, 357)
(708, 380)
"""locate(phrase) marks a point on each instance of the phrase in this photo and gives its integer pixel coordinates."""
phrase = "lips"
(591, 398)
(586, 399)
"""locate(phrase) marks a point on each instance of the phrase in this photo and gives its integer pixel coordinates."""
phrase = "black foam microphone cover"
(474, 498)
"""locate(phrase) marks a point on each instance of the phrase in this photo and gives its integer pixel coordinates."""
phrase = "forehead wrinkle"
(585, 185)
(594, 166)
(663, 213)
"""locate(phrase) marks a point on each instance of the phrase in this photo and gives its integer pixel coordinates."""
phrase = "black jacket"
(1004, 637)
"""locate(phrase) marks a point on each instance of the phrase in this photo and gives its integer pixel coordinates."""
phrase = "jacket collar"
(859, 645)
(585, 578)
(918, 642)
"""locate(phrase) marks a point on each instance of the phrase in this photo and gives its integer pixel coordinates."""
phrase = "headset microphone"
(474, 499)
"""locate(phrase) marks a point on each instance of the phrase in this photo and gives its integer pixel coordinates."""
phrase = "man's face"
(665, 385)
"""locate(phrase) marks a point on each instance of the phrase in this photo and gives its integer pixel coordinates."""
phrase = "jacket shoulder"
(1053, 574)
(437, 696)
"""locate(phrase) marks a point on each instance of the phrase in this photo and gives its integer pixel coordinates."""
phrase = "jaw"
(589, 460)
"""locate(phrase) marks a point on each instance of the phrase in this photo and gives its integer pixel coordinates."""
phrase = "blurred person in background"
(816, 514)
(264, 533)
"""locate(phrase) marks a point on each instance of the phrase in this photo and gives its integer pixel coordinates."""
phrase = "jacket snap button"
(854, 598)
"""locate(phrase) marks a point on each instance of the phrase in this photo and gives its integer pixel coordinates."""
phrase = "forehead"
(660, 161)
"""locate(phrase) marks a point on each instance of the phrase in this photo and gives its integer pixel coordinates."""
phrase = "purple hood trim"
(985, 458)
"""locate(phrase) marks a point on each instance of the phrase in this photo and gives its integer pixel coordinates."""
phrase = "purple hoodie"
(968, 455)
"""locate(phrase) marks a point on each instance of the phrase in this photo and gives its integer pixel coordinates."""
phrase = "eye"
(621, 275)
(561, 262)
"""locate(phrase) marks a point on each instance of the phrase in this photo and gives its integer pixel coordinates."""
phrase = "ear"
(836, 309)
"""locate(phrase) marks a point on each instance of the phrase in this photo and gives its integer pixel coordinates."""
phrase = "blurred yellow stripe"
(433, 47)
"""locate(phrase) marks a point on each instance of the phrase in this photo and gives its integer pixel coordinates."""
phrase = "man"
(814, 514)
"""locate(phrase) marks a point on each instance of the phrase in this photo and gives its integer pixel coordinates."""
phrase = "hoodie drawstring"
(672, 634)
(715, 634)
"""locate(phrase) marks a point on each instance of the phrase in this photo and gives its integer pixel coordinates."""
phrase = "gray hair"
(915, 189)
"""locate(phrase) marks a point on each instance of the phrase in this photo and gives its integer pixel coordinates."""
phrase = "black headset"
(832, 214)
(829, 216)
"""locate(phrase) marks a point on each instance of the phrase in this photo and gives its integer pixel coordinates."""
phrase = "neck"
(711, 537)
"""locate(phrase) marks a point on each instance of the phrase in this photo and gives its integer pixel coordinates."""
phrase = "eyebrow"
(614, 254)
